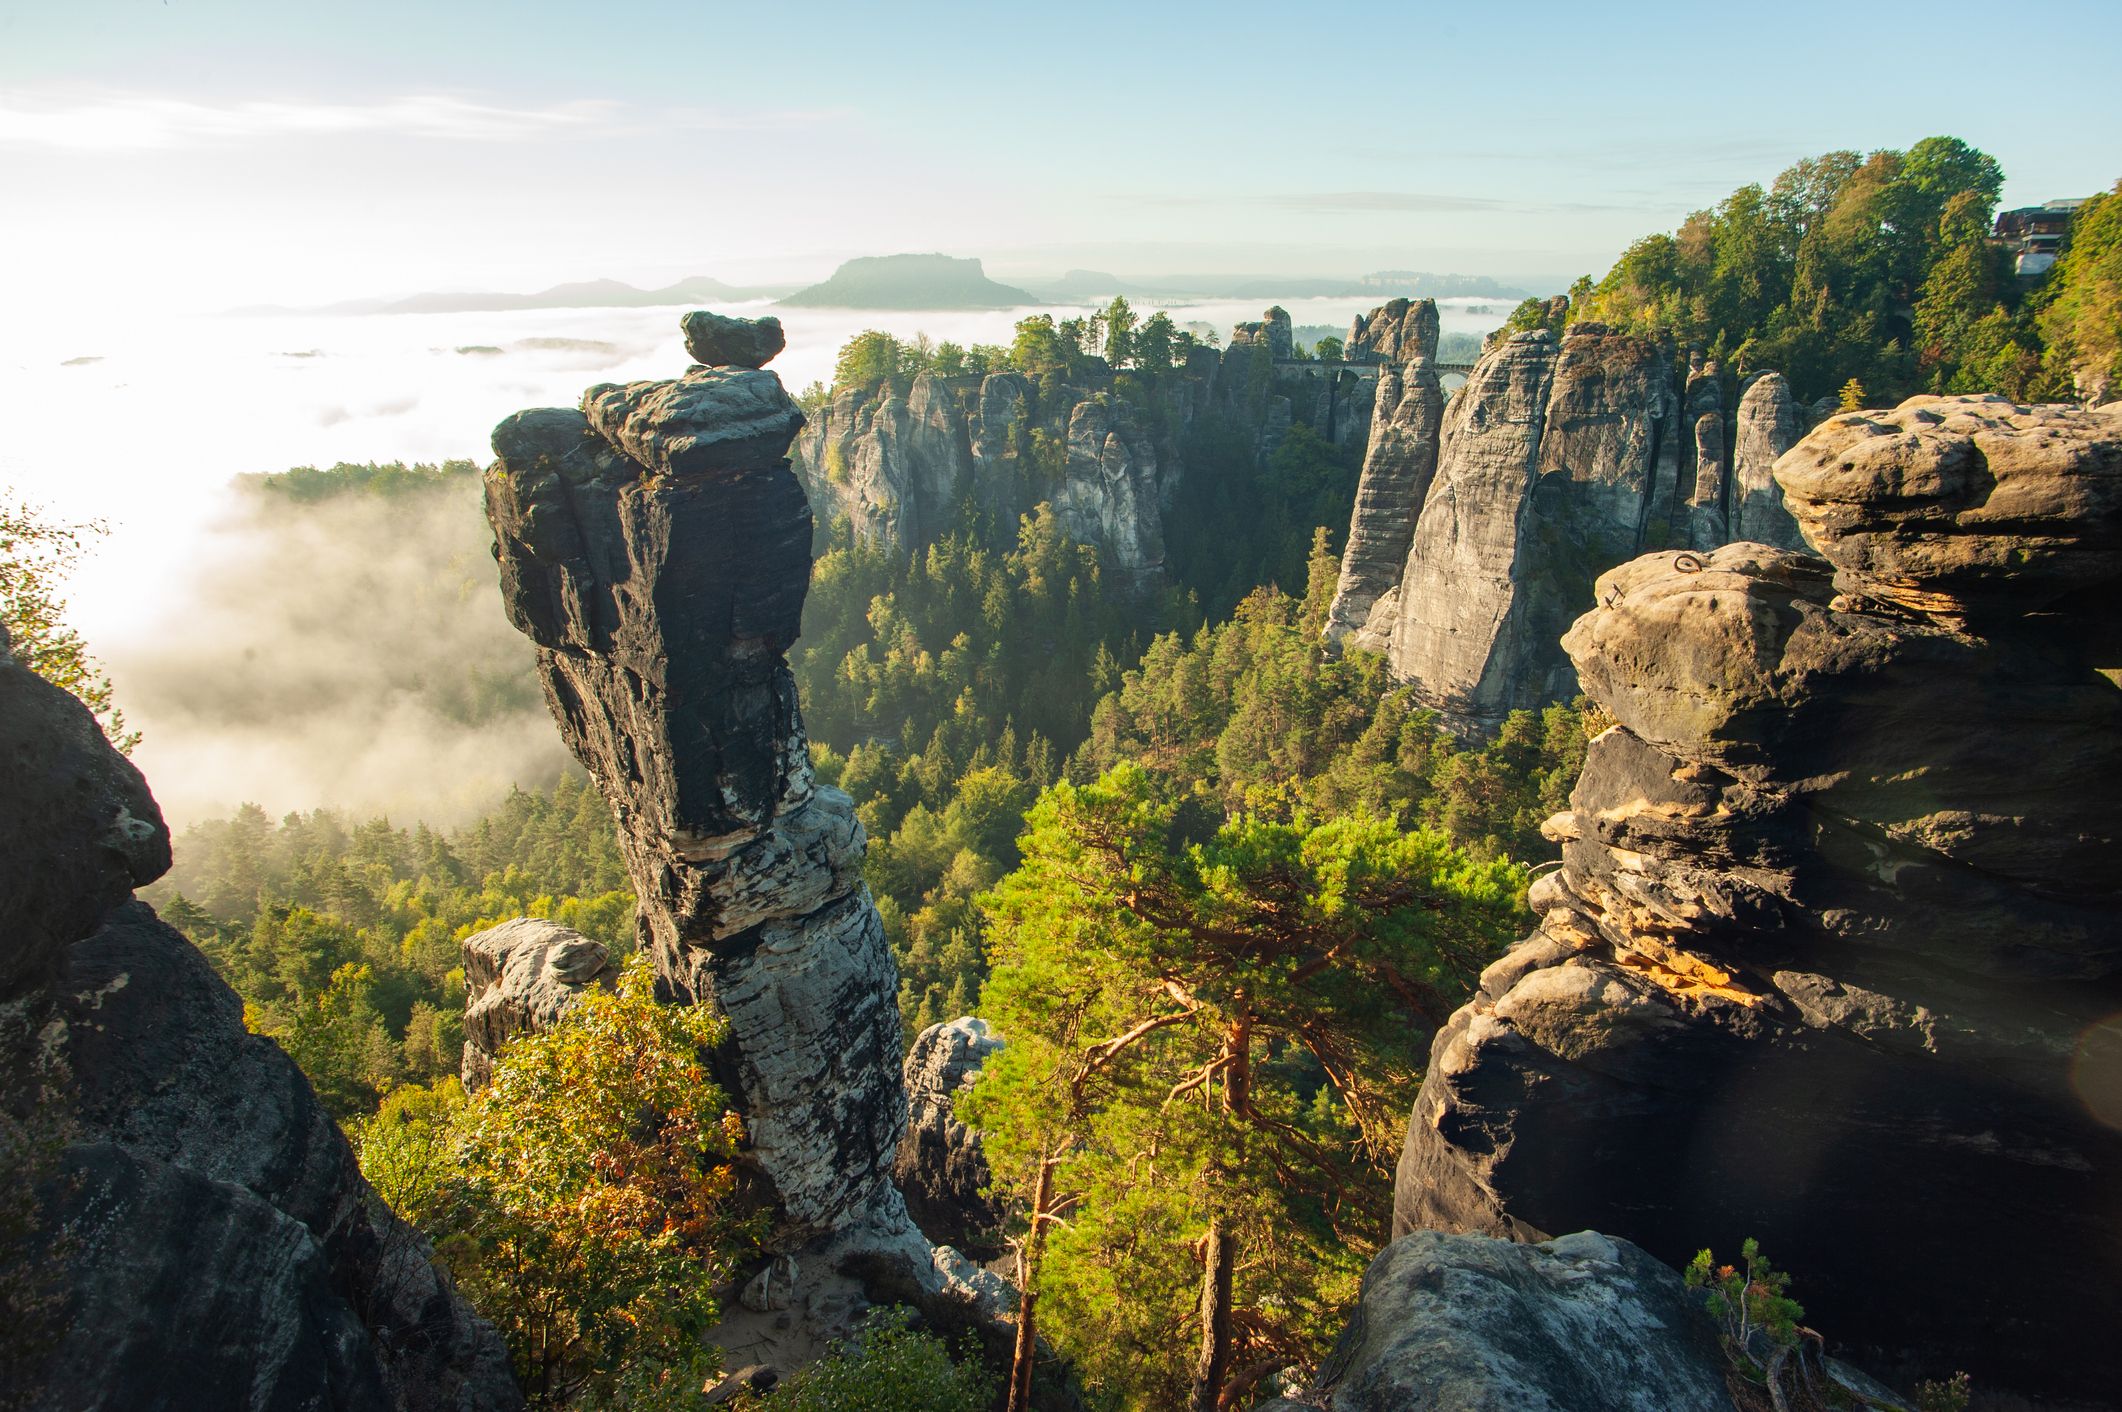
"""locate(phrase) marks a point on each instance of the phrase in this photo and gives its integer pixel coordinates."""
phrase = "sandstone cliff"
(655, 546)
(898, 462)
(187, 1228)
(1481, 523)
(1833, 956)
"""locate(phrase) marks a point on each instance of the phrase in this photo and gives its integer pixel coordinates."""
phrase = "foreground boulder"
(655, 546)
(1833, 956)
(1461, 1323)
(188, 1229)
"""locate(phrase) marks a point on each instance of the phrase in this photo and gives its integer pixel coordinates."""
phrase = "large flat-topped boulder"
(712, 420)
(1963, 504)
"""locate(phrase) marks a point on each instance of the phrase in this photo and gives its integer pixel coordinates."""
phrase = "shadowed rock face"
(1833, 959)
(656, 549)
(223, 1251)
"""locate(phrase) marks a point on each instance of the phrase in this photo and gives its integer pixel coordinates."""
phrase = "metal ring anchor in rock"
(1688, 563)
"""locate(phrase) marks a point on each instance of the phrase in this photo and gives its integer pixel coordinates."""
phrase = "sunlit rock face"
(1398, 465)
(519, 978)
(203, 1239)
(1834, 958)
(1481, 521)
(655, 546)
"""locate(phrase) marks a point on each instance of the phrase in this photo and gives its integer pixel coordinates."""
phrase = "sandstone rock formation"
(1398, 466)
(520, 978)
(1547, 467)
(898, 462)
(941, 1169)
(199, 1217)
(1481, 523)
(656, 549)
(1460, 1323)
(1833, 957)
(1769, 424)
(718, 341)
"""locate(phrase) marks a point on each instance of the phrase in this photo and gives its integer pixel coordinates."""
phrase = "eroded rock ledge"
(1834, 959)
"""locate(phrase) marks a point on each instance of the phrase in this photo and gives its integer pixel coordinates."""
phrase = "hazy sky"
(216, 151)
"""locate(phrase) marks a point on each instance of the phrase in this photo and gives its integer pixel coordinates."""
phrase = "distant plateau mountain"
(910, 282)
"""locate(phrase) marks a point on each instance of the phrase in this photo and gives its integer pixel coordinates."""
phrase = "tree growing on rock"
(1213, 1030)
(36, 555)
(585, 1200)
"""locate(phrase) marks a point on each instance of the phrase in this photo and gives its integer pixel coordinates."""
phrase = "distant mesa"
(581, 294)
(910, 282)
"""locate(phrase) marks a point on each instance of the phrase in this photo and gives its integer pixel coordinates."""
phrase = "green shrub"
(889, 1368)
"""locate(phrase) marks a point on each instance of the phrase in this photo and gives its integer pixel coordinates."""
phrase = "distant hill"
(581, 294)
(910, 282)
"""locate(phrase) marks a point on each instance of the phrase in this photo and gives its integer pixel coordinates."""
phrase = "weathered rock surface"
(897, 463)
(662, 587)
(1964, 504)
(1481, 522)
(520, 978)
(941, 1168)
(719, 341)
(1769, 424)
(1833, 957)
(1398, 466)
(222, 1250)
(1545, 475)
(1463, 1323)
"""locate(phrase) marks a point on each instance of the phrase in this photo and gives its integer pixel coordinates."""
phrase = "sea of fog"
(142, 424)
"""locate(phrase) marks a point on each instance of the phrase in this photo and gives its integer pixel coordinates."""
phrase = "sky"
(202, 153)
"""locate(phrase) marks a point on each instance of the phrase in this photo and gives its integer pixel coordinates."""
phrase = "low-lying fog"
(258, 658)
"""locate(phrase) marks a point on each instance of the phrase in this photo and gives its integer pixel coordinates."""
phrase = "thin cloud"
(1370, 202)
(138, 123)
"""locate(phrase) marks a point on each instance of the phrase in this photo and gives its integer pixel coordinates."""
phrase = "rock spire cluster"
(1480, 522)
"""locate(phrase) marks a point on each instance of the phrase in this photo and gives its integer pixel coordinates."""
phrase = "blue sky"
(287, 149)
